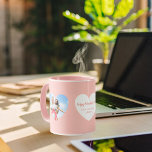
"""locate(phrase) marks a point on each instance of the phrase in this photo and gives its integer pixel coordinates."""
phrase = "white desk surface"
(22, 127)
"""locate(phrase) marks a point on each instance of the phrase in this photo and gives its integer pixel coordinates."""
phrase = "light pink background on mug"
(72, 122)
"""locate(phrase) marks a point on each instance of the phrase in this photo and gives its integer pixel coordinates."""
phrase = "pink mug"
(72, 104)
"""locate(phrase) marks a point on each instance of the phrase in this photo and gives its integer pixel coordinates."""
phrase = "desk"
(22, 127)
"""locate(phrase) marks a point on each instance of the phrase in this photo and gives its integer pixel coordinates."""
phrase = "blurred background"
(32, 31)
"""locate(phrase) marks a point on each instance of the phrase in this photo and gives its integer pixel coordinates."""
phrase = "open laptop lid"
(130, 71)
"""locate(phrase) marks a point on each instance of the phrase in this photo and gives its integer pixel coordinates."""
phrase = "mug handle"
(44, 112)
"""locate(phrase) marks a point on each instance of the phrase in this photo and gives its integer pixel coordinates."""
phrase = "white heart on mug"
(85, 105)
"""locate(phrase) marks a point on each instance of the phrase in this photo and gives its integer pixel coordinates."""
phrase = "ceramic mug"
(72, 104)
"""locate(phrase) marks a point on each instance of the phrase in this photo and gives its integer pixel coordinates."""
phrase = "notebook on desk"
(127, 88)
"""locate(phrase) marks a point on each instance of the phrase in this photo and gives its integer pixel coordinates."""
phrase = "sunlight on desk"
(24, 130)
(18, 134)
(50, 148)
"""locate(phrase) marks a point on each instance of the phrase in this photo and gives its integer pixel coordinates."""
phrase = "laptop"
(127, 88)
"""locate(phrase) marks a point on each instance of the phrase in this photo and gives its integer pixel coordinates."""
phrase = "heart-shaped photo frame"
(58, 105)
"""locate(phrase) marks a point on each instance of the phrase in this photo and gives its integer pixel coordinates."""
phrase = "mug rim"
(74, 78)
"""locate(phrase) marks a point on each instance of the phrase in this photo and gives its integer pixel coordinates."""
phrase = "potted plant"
(107, 20)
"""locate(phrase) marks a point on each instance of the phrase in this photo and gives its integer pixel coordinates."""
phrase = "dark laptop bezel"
(121, 34)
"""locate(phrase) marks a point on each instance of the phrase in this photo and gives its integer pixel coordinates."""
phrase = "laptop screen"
(130, 70)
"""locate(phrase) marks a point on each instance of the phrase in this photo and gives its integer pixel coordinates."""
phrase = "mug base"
(72, 134)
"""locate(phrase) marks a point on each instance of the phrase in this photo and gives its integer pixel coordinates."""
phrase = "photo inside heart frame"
(58, 105)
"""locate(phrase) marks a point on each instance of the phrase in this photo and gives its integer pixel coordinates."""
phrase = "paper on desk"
(23, 87)
(34, 82)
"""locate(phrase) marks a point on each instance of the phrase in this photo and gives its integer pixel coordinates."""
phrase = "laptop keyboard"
(114, 102)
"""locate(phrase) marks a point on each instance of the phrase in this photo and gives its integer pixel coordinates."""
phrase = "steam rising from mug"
(79, 58)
